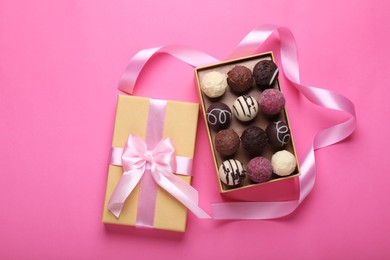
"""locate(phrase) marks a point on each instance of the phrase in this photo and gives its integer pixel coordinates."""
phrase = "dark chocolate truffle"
(219, 116)
(227, 142)
(259, 169)
(254, 139)
(231, 172)
(240, 79)
(278, 134)
(271, 102)
(265, 73)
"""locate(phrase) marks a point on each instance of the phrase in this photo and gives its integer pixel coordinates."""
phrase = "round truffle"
(227, 142)
(231, 172)
(240, 79)
(278, 134)
(214, 84)
(271, 102)
(245, 108)
(283, 163)
(265, 73)
(254, 139)
(259, 169)
(219, 116)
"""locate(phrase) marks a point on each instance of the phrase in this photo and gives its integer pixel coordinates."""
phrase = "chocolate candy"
(278, 134)
(271, 102)
(265, 73)
(240, 79)
(245, 108)
(214, 84)
(219, 116)
(254, 139)
(254, 97)
(231, 172)
(259, 169)
(227, 142)
(283, 163)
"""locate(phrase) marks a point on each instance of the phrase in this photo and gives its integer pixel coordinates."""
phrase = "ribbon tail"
(187, 200)
(269, 210)
(252, 210)
(190, 191)
(252, 41)
(125, 186)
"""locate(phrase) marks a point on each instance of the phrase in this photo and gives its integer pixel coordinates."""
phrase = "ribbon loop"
(134, 158)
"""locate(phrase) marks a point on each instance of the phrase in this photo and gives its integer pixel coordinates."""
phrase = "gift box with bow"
(150, 171)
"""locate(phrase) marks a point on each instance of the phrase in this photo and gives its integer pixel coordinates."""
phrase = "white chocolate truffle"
(245, 108)
(214, 84)
(231, 172)
(283, 163)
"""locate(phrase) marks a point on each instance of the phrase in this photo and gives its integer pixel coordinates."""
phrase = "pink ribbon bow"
(160, 163)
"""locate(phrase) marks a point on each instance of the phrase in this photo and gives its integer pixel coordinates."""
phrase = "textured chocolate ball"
(271, 102)
(214, 84)
(259, 169)
(245, 108)
(283, 163)
(226, 142)
(265, 73)
(278, 134)
(219, 116)
(231, 172)
(254, 139)
(240, 79)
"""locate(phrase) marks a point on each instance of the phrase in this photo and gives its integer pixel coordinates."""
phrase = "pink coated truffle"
(259, 169)
(271, 102)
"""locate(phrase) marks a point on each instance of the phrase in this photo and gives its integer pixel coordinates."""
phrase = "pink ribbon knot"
(136, 156)
(161, 164)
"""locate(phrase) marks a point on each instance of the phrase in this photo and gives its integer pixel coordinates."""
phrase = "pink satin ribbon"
(289, 59)
(183, 164)
(161, 160)
(183, 53)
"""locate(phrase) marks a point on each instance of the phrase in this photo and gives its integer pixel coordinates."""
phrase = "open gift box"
(247, 189)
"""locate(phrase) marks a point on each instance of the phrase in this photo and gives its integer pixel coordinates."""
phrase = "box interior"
(260, 120)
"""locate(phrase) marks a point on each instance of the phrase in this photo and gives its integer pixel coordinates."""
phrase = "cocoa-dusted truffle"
(265, 73)
(271, 102)
(278, 134)
(240, 79)
(219, 116)
(231, 172)
(227, 142)
(254, 139)
(259, 169)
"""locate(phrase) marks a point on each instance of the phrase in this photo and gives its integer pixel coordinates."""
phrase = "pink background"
(60, 62)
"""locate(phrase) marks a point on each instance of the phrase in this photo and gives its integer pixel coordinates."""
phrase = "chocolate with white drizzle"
(245, 108)
(265, 73)
(219, 116)
(231, 172)
(278, 134)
